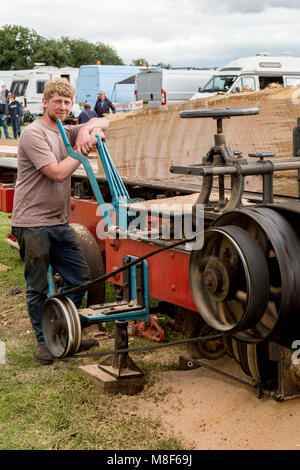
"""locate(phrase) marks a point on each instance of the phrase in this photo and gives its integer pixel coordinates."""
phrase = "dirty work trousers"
(55, 245)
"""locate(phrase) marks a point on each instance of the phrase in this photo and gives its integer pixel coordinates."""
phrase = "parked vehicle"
(112, 79)
(161, 86)
(253, 73)
(6, 77)
(28, 85)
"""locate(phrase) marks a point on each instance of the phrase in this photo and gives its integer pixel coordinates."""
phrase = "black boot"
(43, 355)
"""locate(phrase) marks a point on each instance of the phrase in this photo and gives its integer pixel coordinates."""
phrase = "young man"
(42, 204)
(15, 112)
(103, 105)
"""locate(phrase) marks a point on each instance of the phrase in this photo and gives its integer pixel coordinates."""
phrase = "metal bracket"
(135, 304)
(120, 365)
(288, 380)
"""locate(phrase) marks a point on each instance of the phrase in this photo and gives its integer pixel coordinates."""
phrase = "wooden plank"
(107, 383)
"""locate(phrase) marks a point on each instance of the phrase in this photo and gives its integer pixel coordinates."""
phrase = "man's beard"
(54, 117)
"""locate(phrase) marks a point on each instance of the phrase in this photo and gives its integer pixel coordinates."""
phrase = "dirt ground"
(207, 411)
(212, 412)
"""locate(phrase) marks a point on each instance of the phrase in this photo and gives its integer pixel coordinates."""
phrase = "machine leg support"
(118, 373)
(288, 373)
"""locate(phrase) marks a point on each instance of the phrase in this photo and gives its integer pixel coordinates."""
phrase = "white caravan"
(162, 86)
(28, 85)
(253, 73)
(6, 77)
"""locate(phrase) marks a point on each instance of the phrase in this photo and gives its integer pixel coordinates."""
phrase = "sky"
(195, 33)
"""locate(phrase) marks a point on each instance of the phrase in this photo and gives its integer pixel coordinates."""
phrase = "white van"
(157, 87)
(28, 86)
(253, 73)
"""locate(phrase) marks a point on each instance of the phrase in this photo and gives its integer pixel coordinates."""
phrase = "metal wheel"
(92, 254)
(254, 360)
(229, 280)
(280, 246)
(61, 327)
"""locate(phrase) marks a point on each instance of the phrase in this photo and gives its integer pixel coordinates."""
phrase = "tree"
(162, 65)
(139, 62)
(21, 47)
(84, 53)
(18, 44)
(52, 52)
(108, 55)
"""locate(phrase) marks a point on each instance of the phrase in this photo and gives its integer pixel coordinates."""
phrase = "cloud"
(179, 32)
(246, 6)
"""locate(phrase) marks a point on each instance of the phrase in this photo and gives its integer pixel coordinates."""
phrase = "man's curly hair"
(61, 86)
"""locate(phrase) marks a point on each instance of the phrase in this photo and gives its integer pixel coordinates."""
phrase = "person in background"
(4, 111)
(15, 112)
(86, 115)
(103, 105)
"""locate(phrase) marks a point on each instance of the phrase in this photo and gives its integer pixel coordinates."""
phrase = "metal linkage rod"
(152, 348)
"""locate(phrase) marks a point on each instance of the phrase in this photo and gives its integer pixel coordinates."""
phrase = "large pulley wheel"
(229, 280)
(92, 254)
(61, 327)
(254, 360)
(280, 245)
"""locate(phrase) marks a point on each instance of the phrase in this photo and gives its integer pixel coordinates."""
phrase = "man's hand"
(86, 135)
(84, 142)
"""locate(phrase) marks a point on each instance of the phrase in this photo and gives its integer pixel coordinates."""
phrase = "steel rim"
(217, 284)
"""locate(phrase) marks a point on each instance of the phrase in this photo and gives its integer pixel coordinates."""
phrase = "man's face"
(58, 107)
(102, 96)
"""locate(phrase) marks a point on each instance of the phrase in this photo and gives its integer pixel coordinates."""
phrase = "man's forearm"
(95, 123)
(61, 171)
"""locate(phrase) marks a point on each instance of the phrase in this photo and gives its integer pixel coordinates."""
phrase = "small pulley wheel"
(61, 327)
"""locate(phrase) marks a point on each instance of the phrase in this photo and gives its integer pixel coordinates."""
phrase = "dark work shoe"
(43, 355)
(87, 343)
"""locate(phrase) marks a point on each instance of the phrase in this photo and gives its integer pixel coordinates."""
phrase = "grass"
(3, 140)
(55, 407)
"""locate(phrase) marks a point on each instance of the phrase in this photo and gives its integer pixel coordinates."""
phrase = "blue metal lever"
(117, 188)
(90, 174)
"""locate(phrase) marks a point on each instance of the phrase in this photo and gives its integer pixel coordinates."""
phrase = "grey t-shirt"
(38, 200)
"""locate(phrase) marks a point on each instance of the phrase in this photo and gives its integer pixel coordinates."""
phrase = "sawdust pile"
(145, 143)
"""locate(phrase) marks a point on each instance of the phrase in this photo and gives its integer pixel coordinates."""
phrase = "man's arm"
(86, 135)
(84, 143)
(60, 171)
(112, 107)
